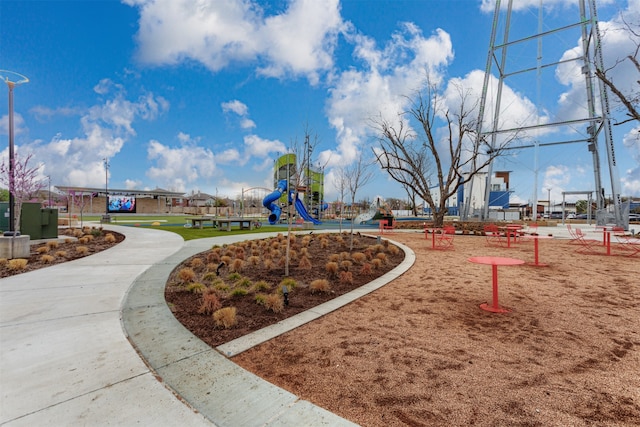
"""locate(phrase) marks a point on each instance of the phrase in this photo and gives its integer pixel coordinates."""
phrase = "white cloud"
(18, 124)
(298, 41)
(518, 5)
(389, 75)
(106, 127)
(302, 40)
(260, 147)
(241, 110)
(176, 167)
(631, 178)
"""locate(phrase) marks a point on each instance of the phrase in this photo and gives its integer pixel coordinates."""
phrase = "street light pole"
(106, 187)
(12, 79)
(549, 202)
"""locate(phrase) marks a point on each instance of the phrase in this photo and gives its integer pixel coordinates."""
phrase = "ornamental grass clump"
(334, 258)
(42, 249)
(332, 268)
(210, 302)
(196, 287)
(274, 302)
(320, 285)
(261, 285)
(47, 259)
(346, 277)
(17, 264)
(82, 250)
(186, 275)
(289, 282)
(196, 263)
(225, 317)
(236, 265)
(304, 263)
(53, 244)
(345, 265)
(358, 257)
(110, 238)
(366, 269)
(61, 254)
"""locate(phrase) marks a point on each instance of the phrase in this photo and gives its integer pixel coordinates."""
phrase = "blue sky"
(192, 95)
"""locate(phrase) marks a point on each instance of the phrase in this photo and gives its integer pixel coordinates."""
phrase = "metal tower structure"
(593, 128)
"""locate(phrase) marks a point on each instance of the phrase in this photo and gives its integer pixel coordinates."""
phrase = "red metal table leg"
(494, 307)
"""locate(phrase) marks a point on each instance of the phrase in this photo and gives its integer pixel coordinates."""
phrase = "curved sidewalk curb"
(209, 382)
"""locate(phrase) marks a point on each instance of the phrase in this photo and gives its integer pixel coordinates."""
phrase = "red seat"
(493, 235)
(587, 246)
(444, 238)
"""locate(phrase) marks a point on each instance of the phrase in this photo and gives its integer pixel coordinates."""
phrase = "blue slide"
(304, 214)
(269, 201)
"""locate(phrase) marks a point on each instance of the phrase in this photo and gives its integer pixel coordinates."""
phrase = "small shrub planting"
(210, 302)
(261, 285)
(366, 269)
(234, 277)
(393, 250)
(61, 254)
(332, 268)
(382, 257)
(197, 263)
(274, 302)
(82, 250)
(239, 292)
(304, 263)
(236, 265)
(83, 240)
(289, 283)
(47, 259)
(358, 257)
(346, 264)
(334, 258)
(17, 264)
(186, 275)
(196, 287)
(225, 317)
(244, 282)
(346, 277)
(42, 249)
(53, 244)
(320, 285)
(3, 261)
(109, 238)
(376, 263)
(254, 260)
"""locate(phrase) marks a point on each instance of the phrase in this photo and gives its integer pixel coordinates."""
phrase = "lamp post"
(549, 202)
(106, 188)
(12, 80)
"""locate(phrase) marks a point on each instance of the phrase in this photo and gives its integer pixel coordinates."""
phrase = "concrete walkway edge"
(204, 378)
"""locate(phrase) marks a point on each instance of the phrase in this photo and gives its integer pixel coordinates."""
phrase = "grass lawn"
(176, 224)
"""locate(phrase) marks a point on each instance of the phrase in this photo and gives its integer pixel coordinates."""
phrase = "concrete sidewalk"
(68, 341)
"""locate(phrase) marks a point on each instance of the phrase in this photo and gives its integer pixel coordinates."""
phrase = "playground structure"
(283, 195)
(378, 210)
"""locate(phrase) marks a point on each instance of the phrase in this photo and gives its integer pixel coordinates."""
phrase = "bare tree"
(414, 159)
(22, 183)
(357, 175)
(341, 185)
(631, 99)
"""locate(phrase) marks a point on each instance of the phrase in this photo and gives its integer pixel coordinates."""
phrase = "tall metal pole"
(7, 76)
(12, 211)
(106, 186)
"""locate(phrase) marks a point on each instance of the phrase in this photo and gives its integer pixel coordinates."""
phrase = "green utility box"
(49, 223)
(4, 216)
(38, 223)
